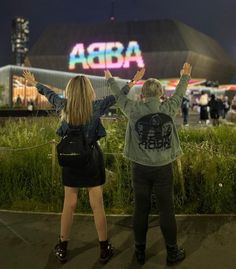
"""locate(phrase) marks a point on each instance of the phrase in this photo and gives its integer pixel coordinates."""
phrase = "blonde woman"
(79, 108)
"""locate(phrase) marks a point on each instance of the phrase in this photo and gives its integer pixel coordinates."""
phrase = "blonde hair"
(203, 99)
(152, 88)
(79, 95)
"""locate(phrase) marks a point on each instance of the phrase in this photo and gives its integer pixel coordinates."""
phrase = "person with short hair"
(152, 145)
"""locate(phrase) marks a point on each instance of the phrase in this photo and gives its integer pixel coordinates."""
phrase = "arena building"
(162, 46)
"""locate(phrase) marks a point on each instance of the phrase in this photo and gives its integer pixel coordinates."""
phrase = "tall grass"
(205, 179)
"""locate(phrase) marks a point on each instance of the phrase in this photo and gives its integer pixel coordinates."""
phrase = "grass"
(205, 178)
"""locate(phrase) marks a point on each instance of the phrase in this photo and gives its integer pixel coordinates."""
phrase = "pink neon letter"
(114, 51)
(77, 56)
(133, 54)
(96, 51)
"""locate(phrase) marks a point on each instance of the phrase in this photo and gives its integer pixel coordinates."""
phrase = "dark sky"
(216, 18)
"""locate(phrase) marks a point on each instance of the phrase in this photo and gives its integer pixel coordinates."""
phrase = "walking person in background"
(185, 109)
(152, 144)
(214, 110)
(226, 104)
(203, 103)
(80, 110)
(221, 106)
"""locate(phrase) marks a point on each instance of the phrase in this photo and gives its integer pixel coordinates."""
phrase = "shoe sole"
(104, 261)
(168, 263)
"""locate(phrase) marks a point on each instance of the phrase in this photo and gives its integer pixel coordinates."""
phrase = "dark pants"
(160, 179)
(185, 115)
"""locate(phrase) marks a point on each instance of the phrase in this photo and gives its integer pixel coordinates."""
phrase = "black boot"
(140, 253)
(60, 251)
(106, 251)
(174, 255)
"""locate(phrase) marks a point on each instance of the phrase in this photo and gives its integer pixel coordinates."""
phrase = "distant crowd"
(211, 108)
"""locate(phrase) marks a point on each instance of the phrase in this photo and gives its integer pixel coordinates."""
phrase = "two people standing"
(151, 143)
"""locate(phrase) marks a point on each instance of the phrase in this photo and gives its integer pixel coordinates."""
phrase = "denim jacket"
(151, 136)
(94, 130)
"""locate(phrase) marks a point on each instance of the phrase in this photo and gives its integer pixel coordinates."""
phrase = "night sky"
(215, 18)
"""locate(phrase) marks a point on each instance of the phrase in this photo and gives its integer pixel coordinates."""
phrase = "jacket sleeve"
(52, 97)
(121, 96)
(105, 103)
(173, 104)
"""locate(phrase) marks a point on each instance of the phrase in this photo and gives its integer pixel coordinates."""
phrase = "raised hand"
(107, 74)
(29, 77)
(186, 70)
(139, 74)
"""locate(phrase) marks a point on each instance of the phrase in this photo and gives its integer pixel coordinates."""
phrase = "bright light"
(102, 55)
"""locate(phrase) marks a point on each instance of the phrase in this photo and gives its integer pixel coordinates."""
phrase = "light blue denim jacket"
(151, 136)
(94, 130)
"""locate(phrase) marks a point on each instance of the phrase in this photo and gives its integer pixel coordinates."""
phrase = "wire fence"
(53, 155)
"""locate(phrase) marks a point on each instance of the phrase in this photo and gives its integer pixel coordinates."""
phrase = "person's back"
(151, 136)
(214, 110)
(80, 118)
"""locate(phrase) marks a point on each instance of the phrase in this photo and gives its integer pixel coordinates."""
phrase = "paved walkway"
(26, 242)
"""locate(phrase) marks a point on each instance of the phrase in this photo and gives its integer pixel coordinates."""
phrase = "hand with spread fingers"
(29, 77)
(186, 70)
(107, 74)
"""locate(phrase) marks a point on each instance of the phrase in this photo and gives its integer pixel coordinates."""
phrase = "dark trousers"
(159, 179)
(185, 115)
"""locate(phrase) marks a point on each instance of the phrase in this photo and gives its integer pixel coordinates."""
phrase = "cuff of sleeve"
(110, 80)
(125, 89)
(39, 87)
(186, 77)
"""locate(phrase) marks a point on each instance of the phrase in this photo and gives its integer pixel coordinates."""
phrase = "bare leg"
(70, 203)
(96, 203)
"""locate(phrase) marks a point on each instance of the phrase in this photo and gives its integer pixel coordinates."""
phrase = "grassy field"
(205, 177)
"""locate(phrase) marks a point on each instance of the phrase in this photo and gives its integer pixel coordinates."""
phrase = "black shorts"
(91, 175)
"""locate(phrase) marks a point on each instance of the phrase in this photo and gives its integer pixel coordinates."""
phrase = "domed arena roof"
(162, 46)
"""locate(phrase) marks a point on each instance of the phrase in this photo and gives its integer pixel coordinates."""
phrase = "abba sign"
(102, 55)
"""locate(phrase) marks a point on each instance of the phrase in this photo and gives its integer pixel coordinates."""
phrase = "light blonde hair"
(152, 88)
(79, 96)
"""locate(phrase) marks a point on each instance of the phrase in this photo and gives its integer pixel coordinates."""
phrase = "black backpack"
(74, 149)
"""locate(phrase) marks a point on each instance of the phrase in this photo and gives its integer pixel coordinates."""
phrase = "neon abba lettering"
(103, 55)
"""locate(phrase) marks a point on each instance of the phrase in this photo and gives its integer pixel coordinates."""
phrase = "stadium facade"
(162, 46)
(13, 85)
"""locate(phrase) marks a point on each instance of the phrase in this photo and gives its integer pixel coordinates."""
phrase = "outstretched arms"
(52, 97)
(173, 104)
(121, 94)
(29, 77)
(185, 74)
(186, 70)
(139, 75)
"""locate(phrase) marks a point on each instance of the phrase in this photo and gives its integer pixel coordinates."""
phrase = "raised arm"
(121, 94)
(173, 104)
(52, 97)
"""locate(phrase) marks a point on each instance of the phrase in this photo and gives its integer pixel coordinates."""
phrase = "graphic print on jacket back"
(154, 131)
